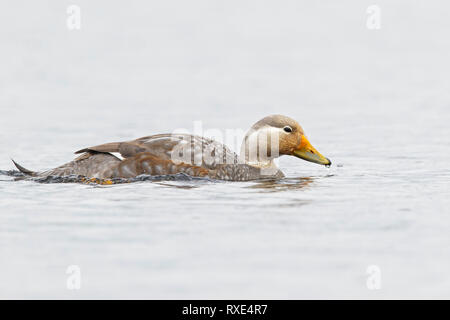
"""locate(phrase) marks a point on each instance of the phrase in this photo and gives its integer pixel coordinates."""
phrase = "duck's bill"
(307, 152)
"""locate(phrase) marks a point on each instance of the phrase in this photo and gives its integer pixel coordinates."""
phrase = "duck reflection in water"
(277, 185)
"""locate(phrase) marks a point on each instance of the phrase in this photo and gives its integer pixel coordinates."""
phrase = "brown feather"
(24, 170)
(147, 163)
(107, 147)
(169, 146)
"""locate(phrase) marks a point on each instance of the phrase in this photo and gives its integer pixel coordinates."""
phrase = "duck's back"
(190, 149)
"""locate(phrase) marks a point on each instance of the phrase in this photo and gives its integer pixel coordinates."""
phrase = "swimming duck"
(163, 154)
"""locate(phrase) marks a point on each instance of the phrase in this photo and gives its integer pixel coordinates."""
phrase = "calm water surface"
(375, 102)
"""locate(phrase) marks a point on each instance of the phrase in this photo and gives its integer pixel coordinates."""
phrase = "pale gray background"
(375, 101)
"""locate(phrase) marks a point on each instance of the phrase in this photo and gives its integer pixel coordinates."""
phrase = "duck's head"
(278, 135)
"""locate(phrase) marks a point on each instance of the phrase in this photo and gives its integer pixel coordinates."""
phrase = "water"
(375, 102)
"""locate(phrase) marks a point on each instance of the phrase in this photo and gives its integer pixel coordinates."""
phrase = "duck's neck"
(257, 153)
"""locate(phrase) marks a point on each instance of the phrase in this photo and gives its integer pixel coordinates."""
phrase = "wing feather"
(186, 148)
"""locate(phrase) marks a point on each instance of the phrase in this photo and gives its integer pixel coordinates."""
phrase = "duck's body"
(193, 155)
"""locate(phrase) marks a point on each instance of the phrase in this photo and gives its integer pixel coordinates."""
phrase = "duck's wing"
(178, 148)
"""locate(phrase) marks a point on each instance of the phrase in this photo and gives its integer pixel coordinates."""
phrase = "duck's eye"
(287, 129)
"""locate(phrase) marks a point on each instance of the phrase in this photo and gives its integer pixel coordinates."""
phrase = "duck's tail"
(24, 170)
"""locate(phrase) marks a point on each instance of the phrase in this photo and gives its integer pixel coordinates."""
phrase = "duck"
(178, 153)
